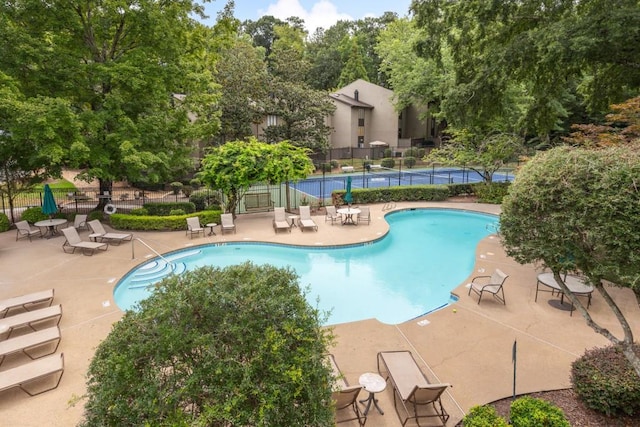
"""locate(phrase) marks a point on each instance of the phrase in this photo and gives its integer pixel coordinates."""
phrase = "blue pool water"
(409, 272)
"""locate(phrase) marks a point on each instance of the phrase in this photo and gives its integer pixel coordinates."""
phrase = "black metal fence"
(315, 191)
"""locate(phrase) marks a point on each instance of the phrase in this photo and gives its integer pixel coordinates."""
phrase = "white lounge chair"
(25, 230)
(419, 398)
(73, 242)
(345, 397)
(25, 301)
(227, 223)
(364, 215)
(37, 370)
(305, 220)
(26, 342)
(30, 318)
(491, 284)
(332, 214)
(80, 221)
(280, 220)
(194, 226)
(100, 234)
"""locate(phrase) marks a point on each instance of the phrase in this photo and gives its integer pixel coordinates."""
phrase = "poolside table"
(574, 283)
(51, 225)
(347, 215)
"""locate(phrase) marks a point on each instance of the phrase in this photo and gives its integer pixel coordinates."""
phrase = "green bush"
(163, 209)
(388, 152)
(409, 161)
(177, 212)
(176, 186)
(195, 183)
(483, 416)
(33, 215)
(492, 193)
(531, 412)
(334, 164)
(187, 190)
(605, 381)
(4, 222)
(202, 199)
(388, 162)
(160, 223)
(95, 215)
(428, 193)
(139, 211)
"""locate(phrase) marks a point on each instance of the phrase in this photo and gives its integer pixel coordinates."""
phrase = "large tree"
(36, 135)
(550, 62)
(130, 71)
(237, 346)
(233, 167)
(576, 209)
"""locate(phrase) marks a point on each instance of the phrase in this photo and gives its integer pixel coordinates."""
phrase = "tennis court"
(322, 187)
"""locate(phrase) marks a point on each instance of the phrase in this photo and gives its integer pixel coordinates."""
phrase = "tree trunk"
(106, 187)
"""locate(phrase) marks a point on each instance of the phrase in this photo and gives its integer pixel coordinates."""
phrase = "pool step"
(143, 282)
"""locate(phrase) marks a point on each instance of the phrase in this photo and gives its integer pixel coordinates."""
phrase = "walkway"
(469, 347)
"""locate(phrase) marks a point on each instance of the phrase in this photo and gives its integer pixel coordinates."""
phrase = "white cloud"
(322, 14)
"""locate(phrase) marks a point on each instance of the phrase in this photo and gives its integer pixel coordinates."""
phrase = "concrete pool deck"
(470, 348)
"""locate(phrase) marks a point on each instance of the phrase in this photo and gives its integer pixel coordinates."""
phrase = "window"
(272, 120)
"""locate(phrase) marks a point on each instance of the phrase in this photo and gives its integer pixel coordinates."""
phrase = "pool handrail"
(133, 256)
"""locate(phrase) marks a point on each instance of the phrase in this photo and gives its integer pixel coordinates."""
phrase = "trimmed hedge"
(531, 412)
(160, 223)
(605, 381)
(164, 209)
(431, 193)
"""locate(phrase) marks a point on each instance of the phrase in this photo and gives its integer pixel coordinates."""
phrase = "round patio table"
(347, 215)
(575, 284)
(51, 225)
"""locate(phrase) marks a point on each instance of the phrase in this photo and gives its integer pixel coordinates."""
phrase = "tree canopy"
(575, 209)
(236, 346)
(233, 167)
(130, 73)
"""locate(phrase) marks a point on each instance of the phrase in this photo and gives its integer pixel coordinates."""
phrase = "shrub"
(195, 183)
(388, 162)
(202, 199)
(139, 211)
(492, 193)
(411, 152)
(176, 187)
(33, 215)
(483, 416)
(213, 347)
(187, 190)
(4, 222)
(334, 164)
(95, 215)
(409, 161)
(325, 167)
(161, 209)
(168, 222)
(605, 381)
(531, 412)
(177, 212)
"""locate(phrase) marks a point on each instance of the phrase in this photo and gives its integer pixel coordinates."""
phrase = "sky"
(316, 13)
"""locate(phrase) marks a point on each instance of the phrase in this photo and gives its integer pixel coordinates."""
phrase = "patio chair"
(419, 398)
(492, 284)
(25, 343)
(100, 234)
(26, 301)
(73, 242)
(37, 370)
(280, 220)
(194, 227)
(331, 215)
(305, 220)
(364, 215)
(30, 318)
(25, 230)
(345, 397)
(227, 223)
(80, 221)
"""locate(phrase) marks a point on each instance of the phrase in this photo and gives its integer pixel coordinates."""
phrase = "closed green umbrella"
(347, 196)
(49, 206)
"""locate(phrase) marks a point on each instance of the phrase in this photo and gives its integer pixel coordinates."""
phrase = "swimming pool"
(409, 272)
